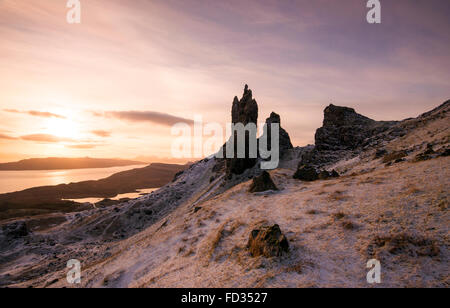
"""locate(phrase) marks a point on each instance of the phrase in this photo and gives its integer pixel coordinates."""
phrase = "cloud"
(35, 113)
(81, 146)
(45, 138)
(101, 133)
(3, 136)
(147, 116)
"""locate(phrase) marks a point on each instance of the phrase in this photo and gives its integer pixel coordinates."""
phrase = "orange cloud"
(35, 113)
(81, 146)
(147, 116)
(3, 136)
(45, 138)
(101, 133)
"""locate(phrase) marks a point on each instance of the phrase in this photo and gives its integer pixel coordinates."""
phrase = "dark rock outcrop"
(262, 183)
(244, 111)
(306, 173)
(267, 241)
(344, 129)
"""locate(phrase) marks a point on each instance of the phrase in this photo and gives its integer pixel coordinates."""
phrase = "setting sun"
(65, 128)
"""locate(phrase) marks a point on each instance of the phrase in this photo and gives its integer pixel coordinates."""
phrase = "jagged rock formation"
(285, 141)
(345, 133)
(267, 241)
(344, 129)
(262, 183)
(244, 111)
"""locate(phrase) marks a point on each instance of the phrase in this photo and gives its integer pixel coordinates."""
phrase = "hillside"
(366, 190)
(60, 163)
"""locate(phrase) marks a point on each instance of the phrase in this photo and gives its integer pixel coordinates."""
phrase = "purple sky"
(174, 59)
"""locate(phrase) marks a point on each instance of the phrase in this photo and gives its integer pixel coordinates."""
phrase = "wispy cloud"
(7, 137)
(46, 138)
(101, 133)
(146, 116)
(35, 113)
(82, 146)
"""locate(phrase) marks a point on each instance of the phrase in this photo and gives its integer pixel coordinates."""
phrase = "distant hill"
(48, 199)
(60, 163)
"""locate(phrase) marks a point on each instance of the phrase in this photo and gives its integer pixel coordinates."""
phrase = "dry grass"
(411, 189)
(226, 229)
(348, 225)
(394, 156)
(296, 268)
(371, 180)
(403, 244)
(328, 184)
(443, 205)
(338, 195)
(338, 215)
(312, 212)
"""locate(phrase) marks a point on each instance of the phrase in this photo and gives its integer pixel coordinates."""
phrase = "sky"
(113, 85)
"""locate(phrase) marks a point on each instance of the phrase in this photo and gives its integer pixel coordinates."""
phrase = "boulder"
(262, 183)
(267, 241)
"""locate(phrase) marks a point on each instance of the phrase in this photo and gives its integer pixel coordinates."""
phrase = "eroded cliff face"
(345, 129)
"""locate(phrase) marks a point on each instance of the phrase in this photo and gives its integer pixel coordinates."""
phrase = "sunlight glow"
(64, 128)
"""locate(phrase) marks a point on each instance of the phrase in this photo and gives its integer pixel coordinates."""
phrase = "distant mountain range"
(60, 163)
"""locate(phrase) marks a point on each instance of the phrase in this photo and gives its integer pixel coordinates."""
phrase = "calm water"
(19, 180)
(134, 195)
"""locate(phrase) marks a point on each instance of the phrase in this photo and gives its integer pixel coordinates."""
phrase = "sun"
(65, 128)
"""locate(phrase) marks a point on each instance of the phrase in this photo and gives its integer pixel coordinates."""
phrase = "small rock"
(306, 173)
(267, 241)
(380, 153)
(323, 175)
(262, 183)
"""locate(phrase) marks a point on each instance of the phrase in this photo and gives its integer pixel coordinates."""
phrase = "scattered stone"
(262, 183)
(267, 241)
(446, 152)
(324, 174)
(380, 153)
(395, 156)
(306, 173)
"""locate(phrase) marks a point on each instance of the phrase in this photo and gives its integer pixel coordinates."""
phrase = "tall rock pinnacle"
(244, 111)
